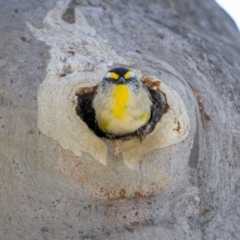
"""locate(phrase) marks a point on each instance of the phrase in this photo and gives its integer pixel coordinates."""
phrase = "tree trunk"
(60, 181)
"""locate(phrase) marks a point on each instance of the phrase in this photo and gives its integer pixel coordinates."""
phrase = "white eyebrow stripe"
(132, 74)
(108, 75)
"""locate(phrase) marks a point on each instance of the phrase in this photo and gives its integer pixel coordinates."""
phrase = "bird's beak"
(121, 80)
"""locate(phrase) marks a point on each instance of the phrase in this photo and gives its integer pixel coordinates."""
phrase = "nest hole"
(86, 112)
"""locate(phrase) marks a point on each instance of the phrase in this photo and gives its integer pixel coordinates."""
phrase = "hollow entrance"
(86, 112)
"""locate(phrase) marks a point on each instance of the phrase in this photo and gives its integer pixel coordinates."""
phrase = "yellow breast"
(121, 96)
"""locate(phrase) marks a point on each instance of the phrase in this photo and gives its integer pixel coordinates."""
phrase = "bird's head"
(120, 76)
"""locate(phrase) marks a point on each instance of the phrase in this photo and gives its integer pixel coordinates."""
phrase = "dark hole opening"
(86, 112)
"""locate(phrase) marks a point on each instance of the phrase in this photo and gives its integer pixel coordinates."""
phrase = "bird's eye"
(114, 75)
(127, 75)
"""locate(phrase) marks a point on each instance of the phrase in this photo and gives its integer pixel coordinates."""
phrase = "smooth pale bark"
(60, 181)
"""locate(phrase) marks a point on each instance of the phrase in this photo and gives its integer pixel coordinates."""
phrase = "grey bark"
(42, 193)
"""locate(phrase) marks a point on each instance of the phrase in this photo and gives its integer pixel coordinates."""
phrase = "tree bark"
(59, 180)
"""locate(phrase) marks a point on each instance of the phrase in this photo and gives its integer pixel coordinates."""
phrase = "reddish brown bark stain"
(122, 193)
(134, 223)
(138, 194)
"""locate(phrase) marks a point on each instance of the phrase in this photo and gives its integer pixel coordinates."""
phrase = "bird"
(122, 104)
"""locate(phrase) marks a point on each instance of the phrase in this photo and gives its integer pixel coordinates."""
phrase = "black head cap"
(119, 71)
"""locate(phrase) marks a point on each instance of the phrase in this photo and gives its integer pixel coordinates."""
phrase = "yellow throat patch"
(121, 96)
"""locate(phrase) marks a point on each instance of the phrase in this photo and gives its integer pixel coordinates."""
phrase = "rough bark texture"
(49, 192)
